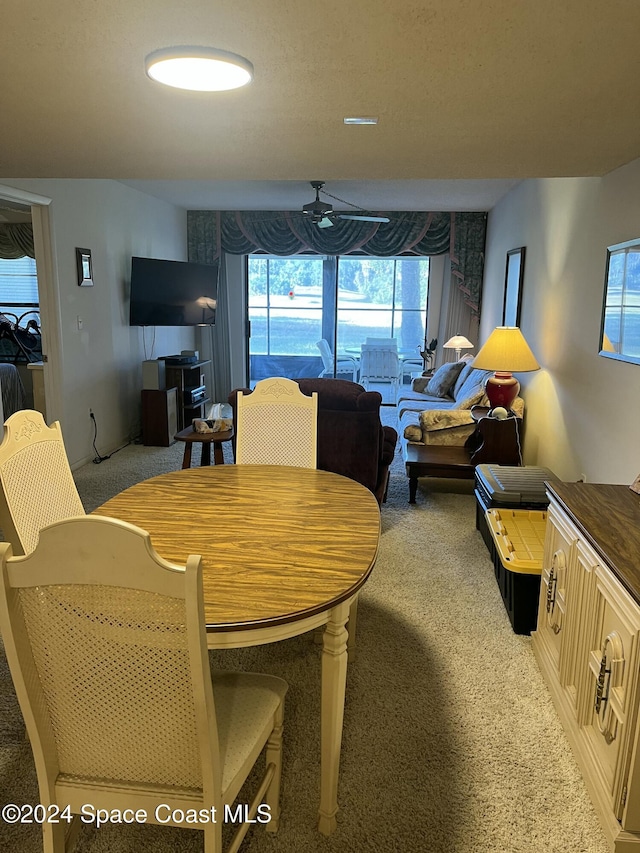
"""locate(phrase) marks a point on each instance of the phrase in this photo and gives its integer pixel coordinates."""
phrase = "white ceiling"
(467, 93)
(291, 195)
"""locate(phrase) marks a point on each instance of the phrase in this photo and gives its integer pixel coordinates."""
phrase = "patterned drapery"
(211, 233)
(467, 258)
(16, 240)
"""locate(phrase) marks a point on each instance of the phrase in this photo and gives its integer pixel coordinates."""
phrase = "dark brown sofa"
(351, 438)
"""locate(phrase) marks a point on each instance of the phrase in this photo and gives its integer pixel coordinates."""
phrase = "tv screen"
(172, 293)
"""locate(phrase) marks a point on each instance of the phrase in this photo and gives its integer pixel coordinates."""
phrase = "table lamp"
(458, 342)
(505, 352)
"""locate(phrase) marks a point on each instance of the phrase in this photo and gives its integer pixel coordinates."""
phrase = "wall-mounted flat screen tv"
(173, 293)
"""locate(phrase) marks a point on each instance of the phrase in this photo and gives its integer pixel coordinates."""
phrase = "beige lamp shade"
(458, 342)
(506, 350)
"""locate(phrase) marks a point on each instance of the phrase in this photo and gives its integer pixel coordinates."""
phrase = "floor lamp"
(458, 343)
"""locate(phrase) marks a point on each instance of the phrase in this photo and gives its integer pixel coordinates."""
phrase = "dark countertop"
(609, 518)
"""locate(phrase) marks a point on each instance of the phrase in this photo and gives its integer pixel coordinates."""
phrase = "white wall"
(101, 363)
(583, 409)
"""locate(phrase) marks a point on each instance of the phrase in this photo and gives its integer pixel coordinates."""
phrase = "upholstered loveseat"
(351, 438)
(437, 409)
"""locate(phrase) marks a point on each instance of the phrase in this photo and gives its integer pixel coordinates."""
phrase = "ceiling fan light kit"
(317, 210)
(199, 69)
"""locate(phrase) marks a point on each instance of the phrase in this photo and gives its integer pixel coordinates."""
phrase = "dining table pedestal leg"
(334, 679)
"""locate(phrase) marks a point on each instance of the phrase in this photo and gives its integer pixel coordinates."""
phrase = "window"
(620, 337)
(294, 302)
(19, 288)
(285, 305)
(382, 297)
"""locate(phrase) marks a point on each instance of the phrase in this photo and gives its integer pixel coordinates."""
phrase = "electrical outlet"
(90, 412)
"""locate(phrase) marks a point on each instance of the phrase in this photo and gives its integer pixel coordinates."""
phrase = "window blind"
(18, 283)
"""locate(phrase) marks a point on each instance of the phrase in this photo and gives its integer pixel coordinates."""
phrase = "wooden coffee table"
(206, 439)
(492, 441)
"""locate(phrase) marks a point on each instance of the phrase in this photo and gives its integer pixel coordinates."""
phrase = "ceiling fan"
(323, 215)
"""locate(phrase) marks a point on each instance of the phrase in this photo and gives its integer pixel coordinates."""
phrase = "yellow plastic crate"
(518, 535)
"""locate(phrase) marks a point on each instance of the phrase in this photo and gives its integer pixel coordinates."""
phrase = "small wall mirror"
(620, 332)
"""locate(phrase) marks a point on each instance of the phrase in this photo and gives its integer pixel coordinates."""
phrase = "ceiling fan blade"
(363, 217)
(325, 222)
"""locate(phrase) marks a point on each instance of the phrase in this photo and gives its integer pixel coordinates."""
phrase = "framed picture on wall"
(514, 276)
(84, 267)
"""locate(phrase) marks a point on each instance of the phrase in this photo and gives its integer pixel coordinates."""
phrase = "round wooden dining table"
(284, 550)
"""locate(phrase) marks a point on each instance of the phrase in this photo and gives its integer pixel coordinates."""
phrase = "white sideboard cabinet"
(586, 643)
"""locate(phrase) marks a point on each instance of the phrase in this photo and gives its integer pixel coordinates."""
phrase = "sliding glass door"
(384, 298)
(296, 301)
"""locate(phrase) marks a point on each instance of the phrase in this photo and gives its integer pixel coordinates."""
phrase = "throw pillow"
(477, 398)
(462, 378)
(472, 389)
(444, 378)
(420, 383)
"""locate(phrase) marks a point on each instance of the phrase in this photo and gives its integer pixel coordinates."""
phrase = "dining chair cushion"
(243, 702)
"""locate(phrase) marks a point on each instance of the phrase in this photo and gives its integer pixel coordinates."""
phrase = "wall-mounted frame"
(513, 278)
(620, 328)
(84, 267)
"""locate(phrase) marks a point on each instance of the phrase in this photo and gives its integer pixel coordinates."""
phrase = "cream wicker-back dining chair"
(277, 425)
(36, 483)
(112, 674)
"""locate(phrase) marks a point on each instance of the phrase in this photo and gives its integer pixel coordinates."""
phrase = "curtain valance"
(462, 235)
(16, 240)
(284, 233)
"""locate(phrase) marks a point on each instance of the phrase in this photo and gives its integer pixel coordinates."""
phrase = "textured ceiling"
(463, 89)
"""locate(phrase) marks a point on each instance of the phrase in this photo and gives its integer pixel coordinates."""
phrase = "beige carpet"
(451, 744)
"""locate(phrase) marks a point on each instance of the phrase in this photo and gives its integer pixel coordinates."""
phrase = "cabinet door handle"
(551, 589)
(610, 669)
(601, 696)
(557, 565)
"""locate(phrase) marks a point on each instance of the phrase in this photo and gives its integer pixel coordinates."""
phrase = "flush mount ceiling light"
(201, 69)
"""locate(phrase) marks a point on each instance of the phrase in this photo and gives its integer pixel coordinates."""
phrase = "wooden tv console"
(492, 441)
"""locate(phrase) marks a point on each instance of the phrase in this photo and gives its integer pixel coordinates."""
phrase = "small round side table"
(206, 439)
